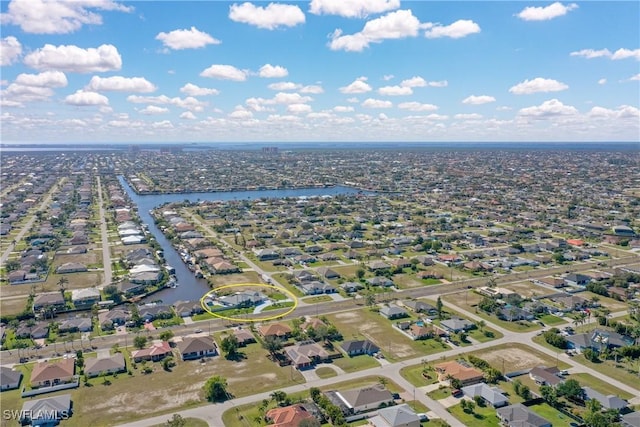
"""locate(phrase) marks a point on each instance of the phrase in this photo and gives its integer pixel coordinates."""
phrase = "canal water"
(191, 288)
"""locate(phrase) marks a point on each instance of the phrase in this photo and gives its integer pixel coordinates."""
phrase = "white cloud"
(606, 53)
(45, 79)
(353, 100)
(626, 53)
(224, 72)
(394, 25)
(537, 85)
(591, 53)
(387, 77)
(376, 103)
(120, 84)
(186, 39)
(635, 78)
(10, 50)
(545, 13)
(313, 89)
(439, 117)
(415, 81)
(352, 8)
(188, 115)
(283, 118)
(473, 116)
(188, 103)
(441, 83)
(271, 17)
(15, 95)
(240, 113)
(299, 108)
(622, 112)
(359, 85)
(548, 109)
(343, 109)
(602, 81)
(417, 106)
(193, 90)
(290, 98)
(457, 30)
(395, 90)
(74, 59)
(272, 71)
(477, 100)
(164, 124)
(57, 16)
(284, 86)
(152, 109)
(85, 99)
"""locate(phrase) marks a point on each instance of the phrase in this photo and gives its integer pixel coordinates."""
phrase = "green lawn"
(551, 320)
(608, 369)
(317, 299)
(413, 374)
(190, 422)
(481, 416)
(556, 418)
(357, 363)
(440, 393)
(324, 372)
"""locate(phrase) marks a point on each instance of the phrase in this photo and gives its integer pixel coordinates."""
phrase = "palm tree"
(61, 285)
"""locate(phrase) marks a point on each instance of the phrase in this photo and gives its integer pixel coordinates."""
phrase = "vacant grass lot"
(12, 306)
(357, 363)
(120, 402)
(480, 417)
(603, 387)
(413, 374)
(230, 279)
(189, 422)
(360, 324)
(317, 299)
(556, 418)
(515, 357)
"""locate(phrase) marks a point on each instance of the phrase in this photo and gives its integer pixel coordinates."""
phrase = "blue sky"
(325, 70)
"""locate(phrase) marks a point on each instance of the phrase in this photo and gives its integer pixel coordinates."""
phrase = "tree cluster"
(553, 337)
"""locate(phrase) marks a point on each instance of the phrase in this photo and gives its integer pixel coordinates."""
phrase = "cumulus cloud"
(545, 13)
(44, 79)
(193, 90)
(635, 78)
(352, 8)
(622, 112)
(188, 103)
(548, 109)
(313, 89)
(10, 50)
(86, 99)
(284, 86)
(622, 53)
(74, 59)
(343, 109)
(376, 103)
(415, 81)
(153, 109)
(602, 81)
(188, 115)
(271, 17)
(57, 16)
(394, 25)
(186, 39)
(536, 85)
(15, 95)
(395, 90)
(417, 106)
(272, 71)
(120, 84)
(225, 72)
(477, 100)
(473, 116)
(457, 30)
(298, 108)
(240, 113)
(359, 85)
(441, 83)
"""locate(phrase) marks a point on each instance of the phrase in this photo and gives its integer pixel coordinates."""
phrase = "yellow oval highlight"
(259, 319)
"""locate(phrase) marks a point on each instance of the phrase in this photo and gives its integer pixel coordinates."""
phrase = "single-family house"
(632, 419)
(467, 375)
(157, 351)
(156, 311)
(493, 396)
(422, 332)
(519, 415)
(420, 307)
(598, 340)
(608, 402)
(456, 324)
(513, 314)
(396, 416)
(86, 297)
(351, 286)
(288, 416)
(317, 288)
(279, 330)
(380, 281)
(94, 367)
(76, 324)
(9, 378)
(357, 347)
(378, 265)
(110, 319)
(45, 374)
(577, 279)
(266, 254)
(46, 412)
(306, 354)
(48, 300)
(393, 312)
(546, 376)
(244, 336)
(242, 299)
(187, 308)
(71, 267)
(129, 288)
(359, 400)
(192, 348)
(328, 273)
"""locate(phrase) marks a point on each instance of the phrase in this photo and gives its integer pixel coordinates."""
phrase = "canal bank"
(189, 287)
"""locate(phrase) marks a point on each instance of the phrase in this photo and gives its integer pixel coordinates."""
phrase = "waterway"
(190, 287)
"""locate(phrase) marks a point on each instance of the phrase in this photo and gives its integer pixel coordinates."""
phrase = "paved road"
(106, 248)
